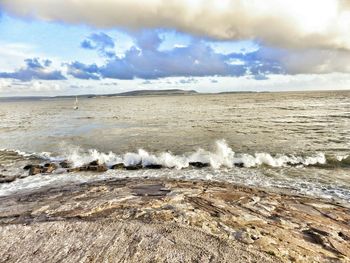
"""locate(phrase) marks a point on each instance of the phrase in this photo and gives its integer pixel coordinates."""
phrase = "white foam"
(173, 161)
(342, 157)
(131, 159)
(78, 158)
(280, 160)
(21, 153)
(222, 156)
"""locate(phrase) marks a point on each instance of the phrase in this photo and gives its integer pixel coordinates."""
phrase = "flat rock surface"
(160, 220)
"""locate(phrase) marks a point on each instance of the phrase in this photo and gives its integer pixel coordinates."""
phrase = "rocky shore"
(160, 220)
(65, 166)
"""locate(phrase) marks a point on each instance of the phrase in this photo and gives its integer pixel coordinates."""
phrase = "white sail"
(76, 103)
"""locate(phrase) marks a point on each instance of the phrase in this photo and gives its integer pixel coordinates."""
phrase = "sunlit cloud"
(207, 45)
(283, 23)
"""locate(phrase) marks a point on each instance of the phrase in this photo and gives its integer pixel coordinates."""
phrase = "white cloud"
(331, 81)
(13, 54)
(10, 87)
(304, 61)
(284, 23)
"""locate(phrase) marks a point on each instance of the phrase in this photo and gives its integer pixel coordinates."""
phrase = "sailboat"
(76, 103)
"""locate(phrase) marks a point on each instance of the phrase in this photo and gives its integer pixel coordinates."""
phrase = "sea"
(297, 142)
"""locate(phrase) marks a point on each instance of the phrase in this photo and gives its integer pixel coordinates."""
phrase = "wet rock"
(64, 164)
(94, 163)
(27, 167)
(76, 169)
(89, 167)
(134, 167)
(199, 164)
(154, 166)
(7, 179)
(50, 167)
(36, 169)
(97, 168)
(240, 165)
(294, 164)
(117, 166)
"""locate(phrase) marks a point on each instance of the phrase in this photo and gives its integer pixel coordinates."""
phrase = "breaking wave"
(221, 156)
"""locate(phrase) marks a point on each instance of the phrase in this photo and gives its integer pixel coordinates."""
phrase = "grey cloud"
(101, 42)
(34, 69)
(198, 59)
(316, 61)
(188, 81)
(82, 71)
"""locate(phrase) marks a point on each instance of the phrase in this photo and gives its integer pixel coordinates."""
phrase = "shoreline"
(167, 220)
(164, 93)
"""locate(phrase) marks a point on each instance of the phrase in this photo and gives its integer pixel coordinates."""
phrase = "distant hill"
(167, 92)
(155, 92)
(18, 98)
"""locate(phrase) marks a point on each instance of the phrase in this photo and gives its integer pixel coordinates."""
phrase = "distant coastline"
(135, 93)
(167, 92)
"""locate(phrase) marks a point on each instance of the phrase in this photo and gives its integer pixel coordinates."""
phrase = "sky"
(70, 47)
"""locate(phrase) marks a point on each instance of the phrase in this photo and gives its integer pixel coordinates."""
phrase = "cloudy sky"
(55, 47)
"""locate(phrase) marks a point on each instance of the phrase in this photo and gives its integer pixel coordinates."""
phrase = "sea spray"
(221, 156)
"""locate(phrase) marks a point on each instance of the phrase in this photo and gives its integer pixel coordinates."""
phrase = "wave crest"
(222, 156)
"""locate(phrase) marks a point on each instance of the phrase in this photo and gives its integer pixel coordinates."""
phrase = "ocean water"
(298, 142)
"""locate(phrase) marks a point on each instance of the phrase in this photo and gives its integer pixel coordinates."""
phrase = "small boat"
(76, 103)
